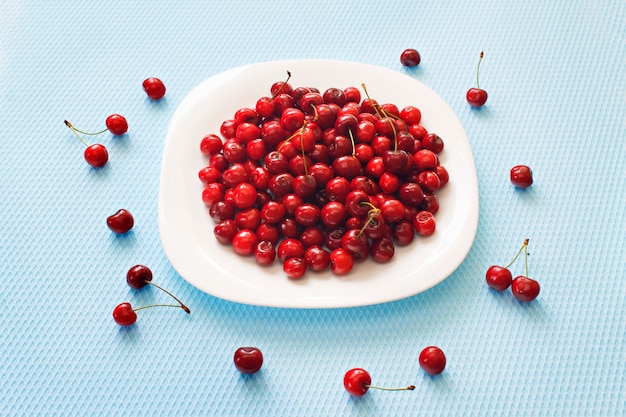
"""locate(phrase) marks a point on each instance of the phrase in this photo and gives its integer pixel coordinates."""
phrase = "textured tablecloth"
(555, 76)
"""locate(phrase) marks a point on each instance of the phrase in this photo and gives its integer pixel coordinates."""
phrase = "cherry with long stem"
(476, 96)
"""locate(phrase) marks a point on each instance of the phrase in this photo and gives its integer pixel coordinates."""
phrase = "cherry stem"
(386, 115)
(480, 58)
(68, 124)
(352, 142)
(525, 249)
(526, 255)
(71, 126)
(370, 216)
(282, 86)
(409, 388)
(184, 307)
(306, 171)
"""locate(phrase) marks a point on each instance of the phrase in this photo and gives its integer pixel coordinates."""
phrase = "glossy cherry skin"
(96, 155)
(138, 276)
(341, 261)
(476, 97)
(432, 360)
(357, 381)
(154, 88)
(410, 58)
(525, 289)
(117, 124)
(248, 360)
(521, 176)
(121, 221)
(498, 277)
(124, 315)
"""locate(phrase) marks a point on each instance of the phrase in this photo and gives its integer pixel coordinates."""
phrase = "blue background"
(557, 99)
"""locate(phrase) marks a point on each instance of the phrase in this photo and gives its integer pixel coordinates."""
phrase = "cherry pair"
(138, 277)
(357, 381)
(96, 154)
(523, 288)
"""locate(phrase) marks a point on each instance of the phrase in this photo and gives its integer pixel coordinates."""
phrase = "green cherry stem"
(163, 305)
(409, 388)
(524, 248)
(184, 307)
(480, 58)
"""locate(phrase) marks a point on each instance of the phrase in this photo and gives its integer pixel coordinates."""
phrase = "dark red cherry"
(248, 360)
(121, 221)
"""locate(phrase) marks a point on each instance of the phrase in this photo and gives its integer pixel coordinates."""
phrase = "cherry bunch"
(138, 277)
(321, 179)
(357, 381)
(523, 287)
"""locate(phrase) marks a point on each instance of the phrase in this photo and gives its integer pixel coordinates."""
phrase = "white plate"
(187, 230)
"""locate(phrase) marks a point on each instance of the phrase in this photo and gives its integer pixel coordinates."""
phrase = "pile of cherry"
(321, 180)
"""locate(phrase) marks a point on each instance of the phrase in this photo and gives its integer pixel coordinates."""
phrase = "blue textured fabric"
(555, 76)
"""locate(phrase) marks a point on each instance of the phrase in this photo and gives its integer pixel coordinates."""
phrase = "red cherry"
(410, 58)
(138, 276)
(525, 289)
(498, 277)
(521, 176)
(124, 315)
(424, 223)
(432, 360)
(317, 258)
(265, 253)
(294, 268)
(476, 96)
(154, 88)
(121, 221)
(341, 261)
(96, 155)
(244, 242)
(382, 250)
(357, 381)
(117, 124)
(248, 360)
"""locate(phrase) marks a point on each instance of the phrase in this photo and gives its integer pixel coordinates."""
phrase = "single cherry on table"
(432, 360)
(357, 381)
(410, 57)
(521, 176)
(476, 96)
(154, 88)
(121, 221)
(248, 359)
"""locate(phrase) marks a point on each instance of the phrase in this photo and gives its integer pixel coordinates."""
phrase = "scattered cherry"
(476, 96)
(96, 155)
(410, 58)
(525, 289)
(357, 381)
(154, 88)
(121, 221)
(116, 124)
(498, 277)
(521, 176)
(432, 360)
(248, 360)
(124, 315)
